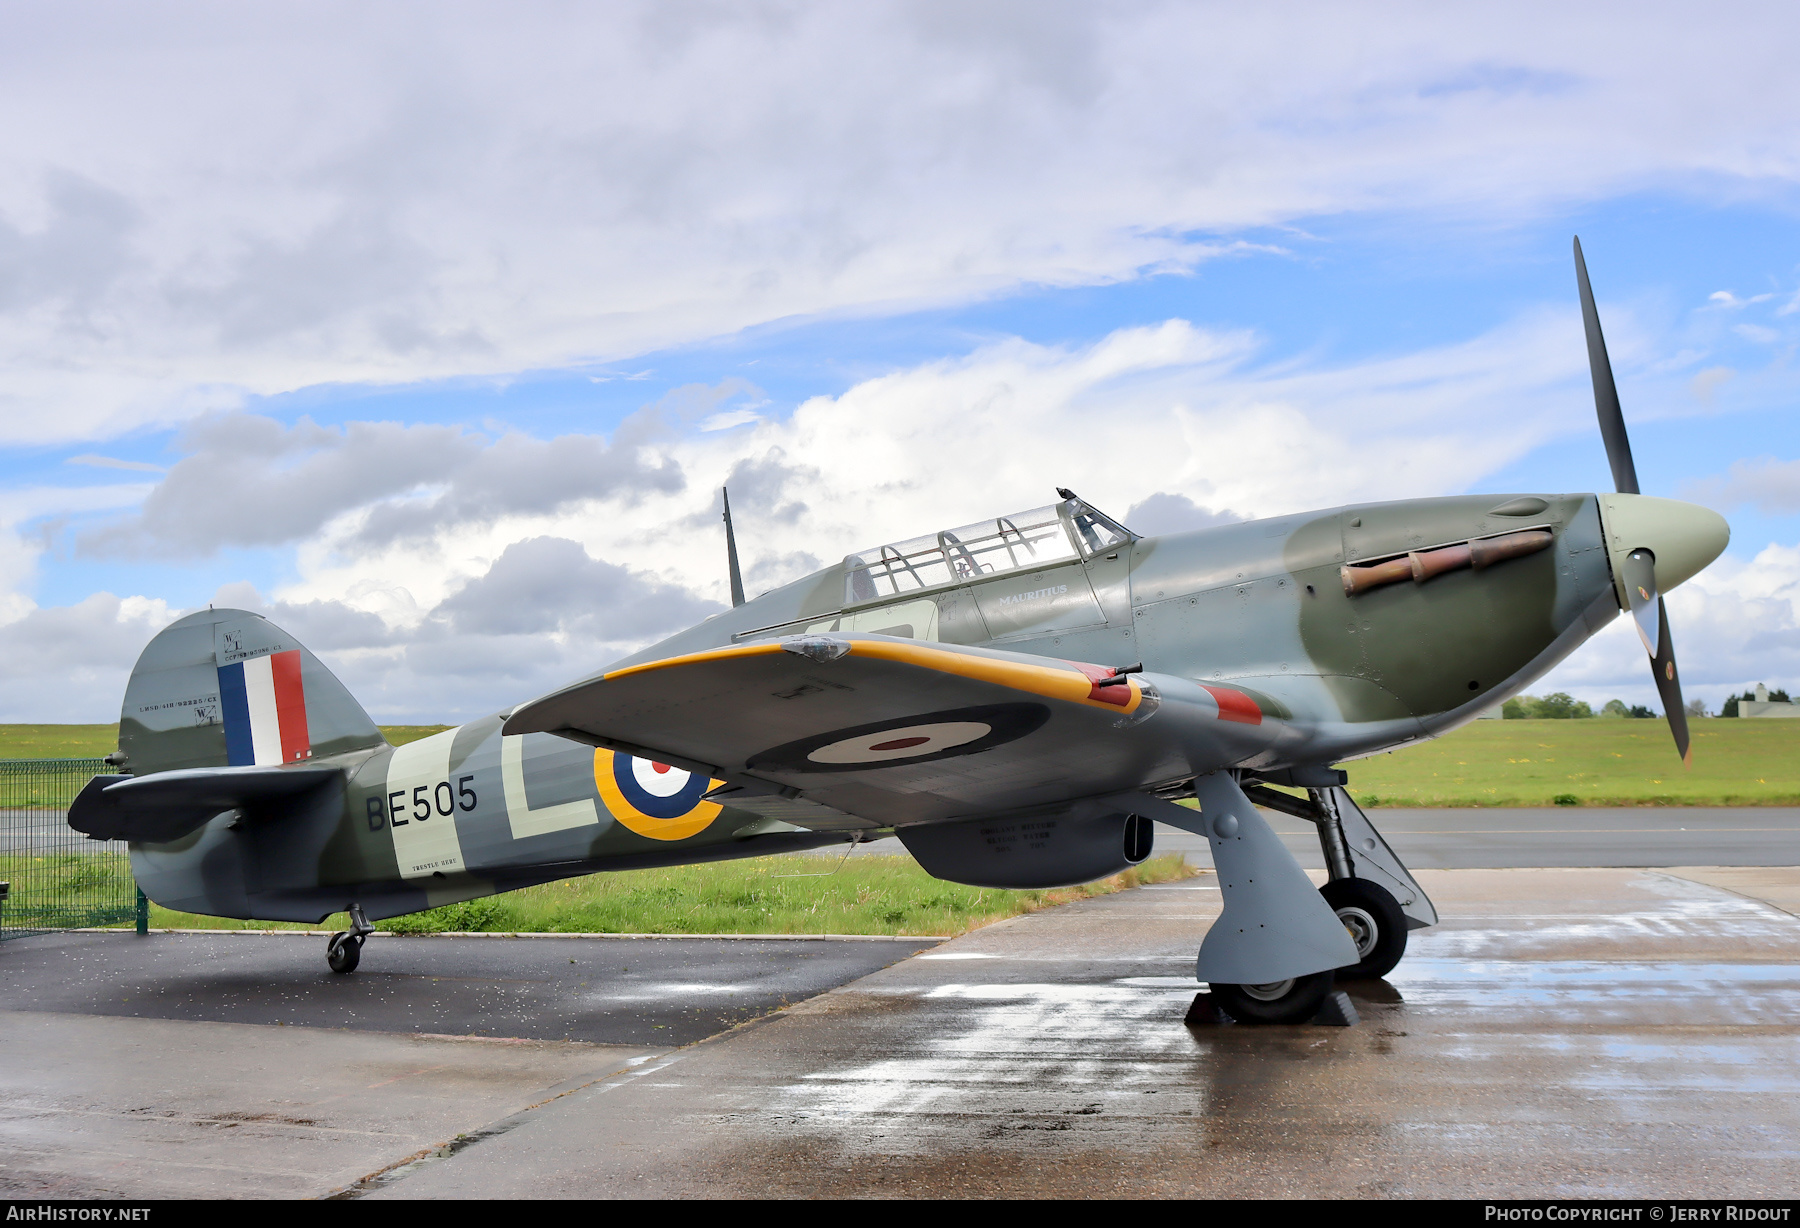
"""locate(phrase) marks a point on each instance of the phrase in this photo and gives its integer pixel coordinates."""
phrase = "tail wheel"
(345, 952)
(1373, 917)
(1291, 1001)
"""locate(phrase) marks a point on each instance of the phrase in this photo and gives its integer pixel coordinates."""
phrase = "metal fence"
(56, 878)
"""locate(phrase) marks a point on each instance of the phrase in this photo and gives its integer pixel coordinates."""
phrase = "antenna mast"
(737, 578)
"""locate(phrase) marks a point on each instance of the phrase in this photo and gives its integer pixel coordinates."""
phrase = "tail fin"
(229, 688)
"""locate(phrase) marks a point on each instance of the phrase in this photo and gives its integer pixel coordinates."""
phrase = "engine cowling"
(1046, 850)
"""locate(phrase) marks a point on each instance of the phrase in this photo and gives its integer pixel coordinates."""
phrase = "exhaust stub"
(1422, 565)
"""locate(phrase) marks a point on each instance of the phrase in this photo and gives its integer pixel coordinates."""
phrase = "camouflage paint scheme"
(1256, 609)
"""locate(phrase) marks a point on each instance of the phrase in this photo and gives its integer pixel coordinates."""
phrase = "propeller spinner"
(1655, 544)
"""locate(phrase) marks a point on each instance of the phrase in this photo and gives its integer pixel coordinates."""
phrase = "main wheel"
(345, 952)
(1291, 1001)
(1376, 925)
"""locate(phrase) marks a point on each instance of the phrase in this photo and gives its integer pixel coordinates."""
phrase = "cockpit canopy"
(1041, 537)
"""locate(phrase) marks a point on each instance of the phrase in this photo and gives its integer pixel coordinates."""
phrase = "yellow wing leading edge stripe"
(1049, 680)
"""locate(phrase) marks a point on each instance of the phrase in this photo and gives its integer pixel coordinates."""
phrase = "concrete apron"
(1564, 1033)
(108, 1107)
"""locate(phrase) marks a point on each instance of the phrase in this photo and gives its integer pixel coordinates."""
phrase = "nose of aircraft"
(1683, 536)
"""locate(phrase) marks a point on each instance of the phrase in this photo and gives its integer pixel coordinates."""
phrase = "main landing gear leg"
(1371, 890)
(344, 951)
(1271, 954)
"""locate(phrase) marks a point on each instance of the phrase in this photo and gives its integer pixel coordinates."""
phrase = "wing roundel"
(925, 738)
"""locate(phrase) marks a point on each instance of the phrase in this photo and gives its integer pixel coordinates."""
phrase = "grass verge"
(58, 890)
(57, 741)
(1594, 762)
(765, 895)
(86, 741)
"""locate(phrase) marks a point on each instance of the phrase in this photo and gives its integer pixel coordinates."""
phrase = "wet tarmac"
(236, 1065)
(616, 991)
(1565, 1033)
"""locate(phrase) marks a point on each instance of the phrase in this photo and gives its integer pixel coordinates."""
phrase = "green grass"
(1597, 762)
(57, 741)
(84, 741)
(55, 890)
(795, 894)
(400, 735)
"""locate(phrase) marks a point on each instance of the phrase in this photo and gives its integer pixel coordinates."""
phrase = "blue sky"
(1370, 257)
(1338, 290)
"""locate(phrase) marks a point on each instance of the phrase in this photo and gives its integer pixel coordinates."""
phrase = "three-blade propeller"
(1639, 570)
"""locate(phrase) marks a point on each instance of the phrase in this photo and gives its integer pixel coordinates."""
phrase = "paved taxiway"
(1459, 839)
(624, 991)
(1563, 1033)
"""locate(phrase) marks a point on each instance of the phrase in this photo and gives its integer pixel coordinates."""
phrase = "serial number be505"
(442, 799)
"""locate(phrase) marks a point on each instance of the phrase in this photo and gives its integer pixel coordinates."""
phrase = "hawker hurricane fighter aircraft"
(1018, 700)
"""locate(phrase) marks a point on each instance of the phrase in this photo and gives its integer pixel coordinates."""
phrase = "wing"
(891, 730)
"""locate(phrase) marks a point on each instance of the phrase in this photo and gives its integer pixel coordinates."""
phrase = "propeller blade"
(1606, 393)
(1639, 569)
(1668, 685)
(1640, 591)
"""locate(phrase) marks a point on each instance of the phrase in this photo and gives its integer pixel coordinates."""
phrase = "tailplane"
(229, 688)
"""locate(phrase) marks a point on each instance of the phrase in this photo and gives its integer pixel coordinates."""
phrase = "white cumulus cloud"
(201, 201)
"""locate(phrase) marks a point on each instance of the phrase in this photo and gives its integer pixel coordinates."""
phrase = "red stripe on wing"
(290, 705)
(1119, 696)
(1235, 705)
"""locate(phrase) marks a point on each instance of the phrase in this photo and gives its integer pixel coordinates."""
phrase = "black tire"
(344, 953)
(1376, 924)
(1293, 1001)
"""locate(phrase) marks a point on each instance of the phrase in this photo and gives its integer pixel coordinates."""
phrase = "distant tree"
(1696, 707)
(1561, 706)
(1517, 708)
(1615, 707)
(1779, 696)
(1729, 707)
(1642, 713)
